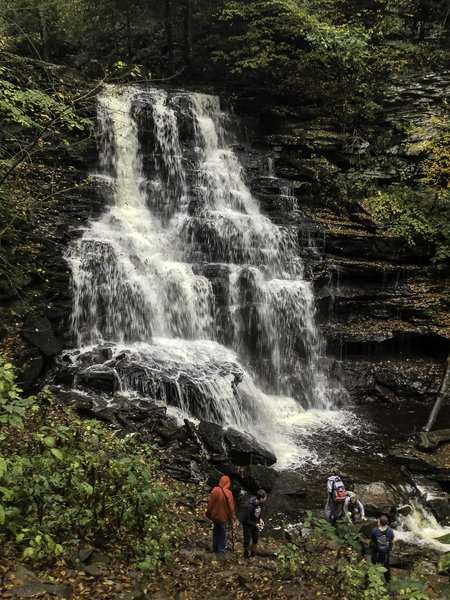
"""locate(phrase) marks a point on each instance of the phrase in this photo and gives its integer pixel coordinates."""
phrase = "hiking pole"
(232, 535)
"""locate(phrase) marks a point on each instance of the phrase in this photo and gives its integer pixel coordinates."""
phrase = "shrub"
(65, 480)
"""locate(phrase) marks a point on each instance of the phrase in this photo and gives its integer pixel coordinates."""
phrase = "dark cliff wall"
(383, 308)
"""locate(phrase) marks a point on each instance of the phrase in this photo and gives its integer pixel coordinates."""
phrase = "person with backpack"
(353, 509)
(336, 496)
(252, 522)
(219, 510)
(381, 543)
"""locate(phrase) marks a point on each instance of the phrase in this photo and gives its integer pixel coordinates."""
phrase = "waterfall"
(198, 294)
(421, 528)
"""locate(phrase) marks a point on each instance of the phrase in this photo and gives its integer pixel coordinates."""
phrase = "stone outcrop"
(383, 310)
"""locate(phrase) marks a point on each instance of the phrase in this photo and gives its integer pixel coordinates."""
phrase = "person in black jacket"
(252, 522)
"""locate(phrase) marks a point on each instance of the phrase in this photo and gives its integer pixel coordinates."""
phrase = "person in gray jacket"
(353, 509)
(332, 508)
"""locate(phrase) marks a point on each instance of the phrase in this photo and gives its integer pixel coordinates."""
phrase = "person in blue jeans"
(220, 509)
(381, 544)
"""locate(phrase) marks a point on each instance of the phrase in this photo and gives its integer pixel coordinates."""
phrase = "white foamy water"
(421, 529)
(179, 206)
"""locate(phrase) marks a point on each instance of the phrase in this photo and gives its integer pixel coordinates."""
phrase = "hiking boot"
(246, 554)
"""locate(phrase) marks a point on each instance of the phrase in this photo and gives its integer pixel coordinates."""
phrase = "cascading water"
(187, 281)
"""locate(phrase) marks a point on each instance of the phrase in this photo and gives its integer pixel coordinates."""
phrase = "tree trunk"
(129, 44)
(43, 31)
(168, 24)
(440, 398)
(187, 33)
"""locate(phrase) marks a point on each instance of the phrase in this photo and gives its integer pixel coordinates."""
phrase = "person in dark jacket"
(220, 509)
(252, 522)
(381, 544)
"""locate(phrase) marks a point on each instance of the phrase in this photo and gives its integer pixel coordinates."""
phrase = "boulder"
(244, 449)
(211, 435)
(258, 477)
(377, 497)
(427, 441)
(99, 377)
(39, 332)
(30, 369)
(432, 464)
(225, 466)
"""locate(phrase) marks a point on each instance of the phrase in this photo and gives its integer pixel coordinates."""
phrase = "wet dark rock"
(30, 369)
(428, 441)
(258, 477)
(213, 476)
(244, 449)
(99, 378)
(433, 465)
(433, 497)
(98, 355)
(225, 466)
(212, 436)
(170, 432)
(377, 497)
(179, 473)
(297, 493)
(85, 554)
(39, 332)
(404, 510)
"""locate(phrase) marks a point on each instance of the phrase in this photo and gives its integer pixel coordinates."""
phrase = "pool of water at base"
(360, 453)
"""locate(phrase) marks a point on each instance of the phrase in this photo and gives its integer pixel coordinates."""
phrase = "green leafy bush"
(418, 215)
(65, 480)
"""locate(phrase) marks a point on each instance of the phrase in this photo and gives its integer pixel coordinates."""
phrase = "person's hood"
(224, 482)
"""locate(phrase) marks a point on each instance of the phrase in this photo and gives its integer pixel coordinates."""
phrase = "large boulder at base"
(244, 449)
(39, 332)
(258, 477)
(211, 435)
(30, 367)
(377, 497)
(225, 466)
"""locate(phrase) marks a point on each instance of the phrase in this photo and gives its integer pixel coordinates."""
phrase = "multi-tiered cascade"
(197, 294)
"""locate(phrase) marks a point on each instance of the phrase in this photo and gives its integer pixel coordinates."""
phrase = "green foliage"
(417, 215)
(444, 539)
(322, 528)
(444, 562)
(12, 405)
(363, 580)
(285, 43)
(33, 108)
(288, 557)
(65, 480)
(434, 144)
(410, 588)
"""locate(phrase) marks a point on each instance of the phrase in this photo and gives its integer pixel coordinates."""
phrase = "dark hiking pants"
(382, 558)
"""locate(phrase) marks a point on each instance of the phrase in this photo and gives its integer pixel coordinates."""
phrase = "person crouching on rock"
(252, 522)
(219, 510)
(353, 508)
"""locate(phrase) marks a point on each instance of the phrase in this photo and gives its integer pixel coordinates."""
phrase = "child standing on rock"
(252, 522)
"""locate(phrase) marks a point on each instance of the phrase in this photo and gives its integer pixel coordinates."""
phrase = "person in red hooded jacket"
(220, 509)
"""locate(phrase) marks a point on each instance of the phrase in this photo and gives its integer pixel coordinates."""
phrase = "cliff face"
(382, 308)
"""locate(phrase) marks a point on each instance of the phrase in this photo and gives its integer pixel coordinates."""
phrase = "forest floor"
(309, 568)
